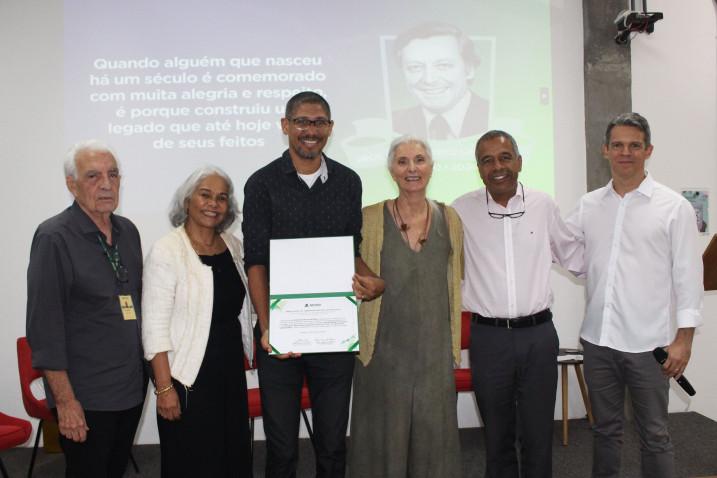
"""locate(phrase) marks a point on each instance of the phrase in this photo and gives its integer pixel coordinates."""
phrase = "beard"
(306, 153)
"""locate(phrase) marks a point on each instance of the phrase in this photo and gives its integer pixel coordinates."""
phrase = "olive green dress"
(403, 421)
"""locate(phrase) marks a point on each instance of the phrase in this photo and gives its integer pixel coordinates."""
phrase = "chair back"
(34, 407)
(465, 330)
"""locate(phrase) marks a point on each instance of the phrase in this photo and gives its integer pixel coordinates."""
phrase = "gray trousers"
(608, 372)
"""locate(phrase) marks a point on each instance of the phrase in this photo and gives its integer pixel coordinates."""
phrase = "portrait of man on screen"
(439, 65)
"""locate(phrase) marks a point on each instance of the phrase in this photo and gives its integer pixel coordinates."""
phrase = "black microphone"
(661, 356)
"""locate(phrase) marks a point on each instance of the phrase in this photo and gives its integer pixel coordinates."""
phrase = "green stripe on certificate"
(276, 298)
(348, 295)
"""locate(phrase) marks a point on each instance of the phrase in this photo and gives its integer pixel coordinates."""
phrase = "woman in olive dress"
(404, 419)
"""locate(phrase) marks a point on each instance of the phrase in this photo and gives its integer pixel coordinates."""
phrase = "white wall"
(674, 85)
(30, 138)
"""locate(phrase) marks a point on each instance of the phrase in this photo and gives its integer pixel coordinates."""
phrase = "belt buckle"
(507, 321)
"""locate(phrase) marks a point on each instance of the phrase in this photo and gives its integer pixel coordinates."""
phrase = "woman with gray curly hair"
(197, 327)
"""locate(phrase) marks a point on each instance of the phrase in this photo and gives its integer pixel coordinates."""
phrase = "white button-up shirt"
(643, 266)
(508, 261)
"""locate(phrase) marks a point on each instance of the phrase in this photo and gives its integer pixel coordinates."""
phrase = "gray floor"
(694, 436)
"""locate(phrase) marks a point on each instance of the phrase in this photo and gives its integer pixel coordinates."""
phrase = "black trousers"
(106, 451)
(515, 377)
(329, 378)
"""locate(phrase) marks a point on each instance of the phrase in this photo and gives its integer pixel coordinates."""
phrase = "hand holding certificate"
(312, 305)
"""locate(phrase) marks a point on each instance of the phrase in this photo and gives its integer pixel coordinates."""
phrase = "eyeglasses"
(303, 123)
(511, 215)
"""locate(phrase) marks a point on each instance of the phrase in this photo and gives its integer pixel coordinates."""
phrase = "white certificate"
(312, 307)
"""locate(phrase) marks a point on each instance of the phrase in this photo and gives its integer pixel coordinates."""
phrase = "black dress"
(212, 436)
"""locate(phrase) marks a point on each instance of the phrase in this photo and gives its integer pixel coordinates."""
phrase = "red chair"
(36, 408)
(464, 380)
(13, 432)
(254, 399)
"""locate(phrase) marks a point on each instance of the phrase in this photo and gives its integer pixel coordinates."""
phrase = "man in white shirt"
(512, 235)
(642, 263)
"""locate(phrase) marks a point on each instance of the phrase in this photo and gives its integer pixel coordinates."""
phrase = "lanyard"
(112, 256)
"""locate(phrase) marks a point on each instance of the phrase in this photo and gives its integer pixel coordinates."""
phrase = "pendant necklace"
(404, 227)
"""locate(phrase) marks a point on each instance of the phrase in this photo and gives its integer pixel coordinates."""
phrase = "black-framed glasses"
(302, 123)
(511, 215)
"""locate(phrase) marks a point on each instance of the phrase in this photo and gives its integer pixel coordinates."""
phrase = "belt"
(517, 323)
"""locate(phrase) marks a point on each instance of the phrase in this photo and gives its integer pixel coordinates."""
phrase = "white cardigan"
(177, 300)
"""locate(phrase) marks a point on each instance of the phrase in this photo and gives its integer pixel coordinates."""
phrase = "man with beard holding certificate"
(303, 194)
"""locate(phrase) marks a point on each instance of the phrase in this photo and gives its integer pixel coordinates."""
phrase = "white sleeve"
(158, 292)
(567, 241)
(687, 279)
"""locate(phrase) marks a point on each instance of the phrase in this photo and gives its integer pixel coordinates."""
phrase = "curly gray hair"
(178, 207)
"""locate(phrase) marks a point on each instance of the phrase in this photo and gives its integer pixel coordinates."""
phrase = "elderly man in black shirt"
(83, 296)
(303, 194)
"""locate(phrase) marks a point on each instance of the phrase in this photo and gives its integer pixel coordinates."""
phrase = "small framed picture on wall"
(700, 202)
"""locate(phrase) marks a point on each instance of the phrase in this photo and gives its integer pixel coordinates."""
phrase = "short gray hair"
(635, 120)
(178, 207)
(496, 133)
(86, 146)
(407, 139)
